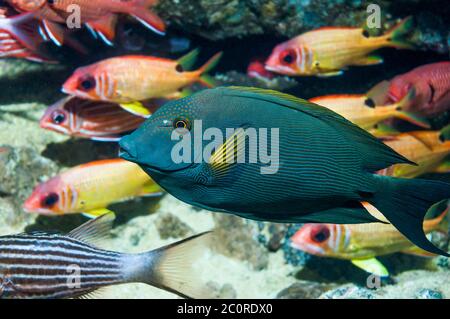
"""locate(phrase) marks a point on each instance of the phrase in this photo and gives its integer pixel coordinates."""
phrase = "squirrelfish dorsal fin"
(94, 230)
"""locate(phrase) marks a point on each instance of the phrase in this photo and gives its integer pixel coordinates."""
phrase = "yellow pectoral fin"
(151, 189)
(416, 251)
(136, 108)
(228, 153)
(383, 130)
(97, 212)
(372, 266)
(368, 60)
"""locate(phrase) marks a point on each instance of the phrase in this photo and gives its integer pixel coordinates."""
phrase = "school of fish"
(346, 168)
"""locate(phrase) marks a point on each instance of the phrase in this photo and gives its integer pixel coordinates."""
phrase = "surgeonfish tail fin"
(205, 79)
(405, 202)
(171, 267)
(396, 37)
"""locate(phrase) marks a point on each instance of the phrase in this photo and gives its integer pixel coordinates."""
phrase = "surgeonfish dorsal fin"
(375, 154)
(94, 230)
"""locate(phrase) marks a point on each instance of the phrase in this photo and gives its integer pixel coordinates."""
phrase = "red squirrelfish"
(129, 79)
(96, 120)
(328, 51)
(90, 188)
(19, 38)
(361, 243)
(99, 15)
(431, 83)
(42, 265)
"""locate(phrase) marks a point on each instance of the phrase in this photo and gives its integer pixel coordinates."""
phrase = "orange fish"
(90, 188)
(428, 149)
(99, 15)
(363, 111)
(129, 79)
(361, 243)
(330, 50)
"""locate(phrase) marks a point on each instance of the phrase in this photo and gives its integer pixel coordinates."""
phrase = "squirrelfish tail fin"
(205, 79)
(396, 37)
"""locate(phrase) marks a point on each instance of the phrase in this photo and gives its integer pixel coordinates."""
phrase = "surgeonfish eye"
(181, 124)
(320, 234)
(87, 83)
(50, 200)
(58, 117)
(288, 56)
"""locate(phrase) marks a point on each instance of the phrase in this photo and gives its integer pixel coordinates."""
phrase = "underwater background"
(249, 259)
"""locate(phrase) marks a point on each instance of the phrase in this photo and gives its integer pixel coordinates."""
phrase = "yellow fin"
(330, 74)
(136, 108)
(368, 60)
(444, 167)
(151, 189)
(228, 153)
(383, 130)
(372, 266)
(97, 212)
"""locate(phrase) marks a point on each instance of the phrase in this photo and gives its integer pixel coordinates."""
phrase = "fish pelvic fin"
(171, 267)
(136, 108)
(405, 202)
(204, 78)
(372, 266)
(97, 213)
(397, 36)
(368, 60)
(141, 12)
(106, 27)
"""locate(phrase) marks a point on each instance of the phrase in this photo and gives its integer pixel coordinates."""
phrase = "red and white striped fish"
(19, 38)
(50, 266)
(101, 121)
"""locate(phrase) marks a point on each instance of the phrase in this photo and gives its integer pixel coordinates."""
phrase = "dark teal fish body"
(325, 163)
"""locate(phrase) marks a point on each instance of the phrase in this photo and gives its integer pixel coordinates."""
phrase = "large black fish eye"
(288, 56)
(320, 235)
(181, 124)
(87, 83)
(50, 200)
(58, 117)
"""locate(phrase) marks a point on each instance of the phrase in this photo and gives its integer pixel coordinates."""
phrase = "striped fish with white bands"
(41, 265)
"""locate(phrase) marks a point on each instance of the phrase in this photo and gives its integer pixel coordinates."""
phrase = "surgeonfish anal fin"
(94, 230)
(372, 266)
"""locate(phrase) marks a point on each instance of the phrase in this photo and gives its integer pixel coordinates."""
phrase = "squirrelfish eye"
(50, 200)
(58, 117)
(320, 234)
(288, 56)
(181, 124)
(87, 83)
